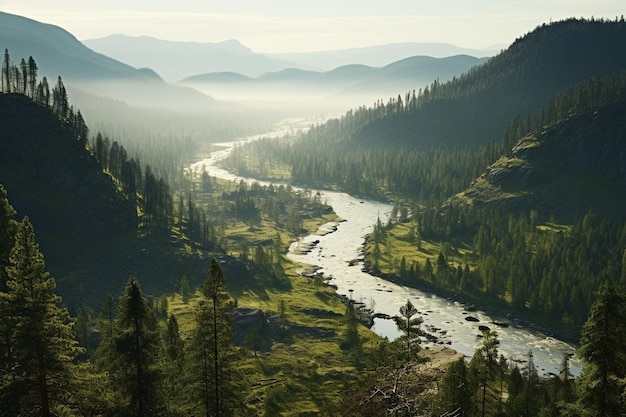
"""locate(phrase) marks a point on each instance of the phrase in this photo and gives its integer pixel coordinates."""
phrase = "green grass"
(301, 374)
(306, 373)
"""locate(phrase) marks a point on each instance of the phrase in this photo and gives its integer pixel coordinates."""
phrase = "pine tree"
(455, 392)
(6, 72)
(37, 369)
(410, 327)
(603, 349)
(484, 368)
(173, 367)
(136, 347)
(211, 352)
(8, 227)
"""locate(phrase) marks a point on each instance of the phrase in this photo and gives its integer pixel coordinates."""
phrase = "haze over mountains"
(316, 81)
(59, 53)
(231, 56)
(143, 71)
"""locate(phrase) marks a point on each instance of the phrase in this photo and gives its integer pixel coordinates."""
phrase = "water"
(339, 256)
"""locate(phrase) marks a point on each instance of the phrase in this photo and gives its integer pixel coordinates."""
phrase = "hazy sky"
(312, 25)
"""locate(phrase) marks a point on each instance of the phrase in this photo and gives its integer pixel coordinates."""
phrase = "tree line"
(22, 79)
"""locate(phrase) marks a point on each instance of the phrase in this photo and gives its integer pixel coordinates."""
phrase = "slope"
(186, 58)
(474, 109)
(85, 227)
(58, 52)
(568, 170)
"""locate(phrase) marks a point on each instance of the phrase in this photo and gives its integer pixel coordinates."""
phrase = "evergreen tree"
(37, 370)
(6, 72)
(351, 338)
(211, 353)
(484, 368)
(32, 76)
(410, 327)
(455, 393)
(8, 227)
(136, 347)
(173, 367)
(603, 349)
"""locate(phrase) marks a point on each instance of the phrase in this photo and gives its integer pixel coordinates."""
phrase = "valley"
(267, 244)
(336, 254)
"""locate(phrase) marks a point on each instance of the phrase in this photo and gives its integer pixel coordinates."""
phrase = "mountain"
(232, 56)
(84, 226)
(340, 88)
(59, 53)
(379, 55)
(177, 60)
(474, 109)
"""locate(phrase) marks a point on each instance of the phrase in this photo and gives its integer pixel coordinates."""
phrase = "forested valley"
(525, 221)
(248, 335)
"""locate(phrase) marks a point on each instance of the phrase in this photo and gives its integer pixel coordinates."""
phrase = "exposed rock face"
(576, 166)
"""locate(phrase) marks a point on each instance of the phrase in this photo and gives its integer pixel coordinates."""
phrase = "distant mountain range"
(59, 53)
(129, 69)
(231, 56)
(360, 83)
(166, 57)
(381, 55)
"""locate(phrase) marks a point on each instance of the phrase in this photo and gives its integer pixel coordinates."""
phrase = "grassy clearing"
(308, 372)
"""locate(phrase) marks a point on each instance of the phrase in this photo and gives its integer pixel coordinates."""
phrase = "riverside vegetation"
(305, 352)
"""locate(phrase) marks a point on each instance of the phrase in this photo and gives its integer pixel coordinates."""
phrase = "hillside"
(474, 109)
(58, 52)
(350, 79)
(572, 168)
(86, 228)
(449, 132)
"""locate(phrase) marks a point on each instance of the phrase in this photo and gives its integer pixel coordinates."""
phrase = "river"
(336, 251)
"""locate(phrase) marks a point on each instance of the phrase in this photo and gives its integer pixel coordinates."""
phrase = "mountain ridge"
(58, 53)
(514, 83)
(147, 51)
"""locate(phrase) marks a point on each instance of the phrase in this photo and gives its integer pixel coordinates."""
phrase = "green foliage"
(603, 348)
(351, 339)
(484, 372)
(455, 394)
(36, 364)
(410, 326)
(214, 384)
(134, 356)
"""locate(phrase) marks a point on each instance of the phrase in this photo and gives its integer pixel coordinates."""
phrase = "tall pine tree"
(603, 349)
(37, 367)
(136, 349)
(214, 385)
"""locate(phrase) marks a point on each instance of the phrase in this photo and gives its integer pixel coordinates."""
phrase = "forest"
(186, 352)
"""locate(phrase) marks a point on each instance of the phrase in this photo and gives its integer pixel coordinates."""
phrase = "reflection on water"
(339, 256)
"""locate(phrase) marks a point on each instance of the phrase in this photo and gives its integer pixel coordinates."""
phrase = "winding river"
(335, 253)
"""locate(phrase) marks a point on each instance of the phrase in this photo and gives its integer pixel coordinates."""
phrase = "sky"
(281, 26)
